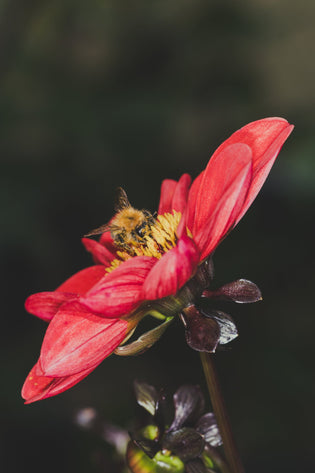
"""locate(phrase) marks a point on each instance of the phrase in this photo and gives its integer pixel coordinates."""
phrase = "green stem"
(220, 412)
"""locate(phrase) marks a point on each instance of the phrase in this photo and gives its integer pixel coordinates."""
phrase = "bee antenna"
(121, 201)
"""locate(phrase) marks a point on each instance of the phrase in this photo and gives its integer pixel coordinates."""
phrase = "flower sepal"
(144, 342)
(202, 333)
(206, 329)
(240, 291)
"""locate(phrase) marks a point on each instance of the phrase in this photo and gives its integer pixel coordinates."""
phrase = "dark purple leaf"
(189, 404)
(159, 416)
(241, 291)
(147, 396)
(205, 273)
(208, 428)
(202, 333)
(186, 443)
(228, 329)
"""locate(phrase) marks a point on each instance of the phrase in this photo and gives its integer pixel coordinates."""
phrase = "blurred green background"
(99, 94)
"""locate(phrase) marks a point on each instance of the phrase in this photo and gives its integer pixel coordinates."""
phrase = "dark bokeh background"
(105, 93)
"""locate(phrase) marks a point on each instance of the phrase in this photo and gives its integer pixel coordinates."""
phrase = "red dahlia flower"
(162, 273)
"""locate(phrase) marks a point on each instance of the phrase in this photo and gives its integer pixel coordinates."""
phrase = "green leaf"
(168, 463)
(139, 462)
(207, 460)
(150, 432)
(144, 342)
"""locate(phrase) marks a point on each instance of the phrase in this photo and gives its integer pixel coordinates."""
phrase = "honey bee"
(129, 226)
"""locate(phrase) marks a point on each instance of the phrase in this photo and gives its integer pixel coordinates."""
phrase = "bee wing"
(122, 201)
(99, 230)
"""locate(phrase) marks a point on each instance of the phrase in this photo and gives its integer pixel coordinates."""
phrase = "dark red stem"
(231, 453)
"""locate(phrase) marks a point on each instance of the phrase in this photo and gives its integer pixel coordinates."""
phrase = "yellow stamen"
(114, 264)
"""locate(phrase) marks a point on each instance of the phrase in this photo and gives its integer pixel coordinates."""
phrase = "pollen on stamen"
(114, 264)
(164, 230)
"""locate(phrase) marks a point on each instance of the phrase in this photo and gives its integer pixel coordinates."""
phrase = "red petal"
(172, 271)
(266, 138)
(179, 199)
(82, 281)
(224, 201)
(167, 192)
(219, 174)
(182, 227)
(107, 241)
(45, 304)
(192, 198)
(37, 387)
(259, 136)
(120, 291)
(77, 340)
(101, 255)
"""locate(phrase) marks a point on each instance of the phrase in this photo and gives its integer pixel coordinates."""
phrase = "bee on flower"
(160, 266)
(130, 228)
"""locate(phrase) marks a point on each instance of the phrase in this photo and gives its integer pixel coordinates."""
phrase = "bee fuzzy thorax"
(130, 227)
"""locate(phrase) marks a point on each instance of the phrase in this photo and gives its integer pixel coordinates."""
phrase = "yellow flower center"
(160, 238)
